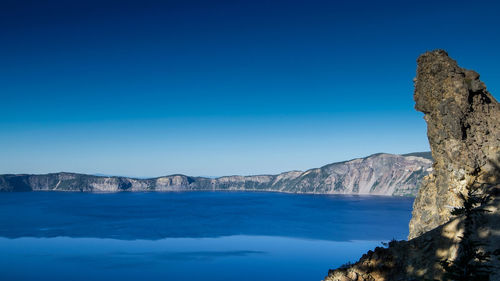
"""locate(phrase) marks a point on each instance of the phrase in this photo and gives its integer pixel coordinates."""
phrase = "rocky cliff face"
(418, 259)
(463, 127)
(379, 174)
(463, 122)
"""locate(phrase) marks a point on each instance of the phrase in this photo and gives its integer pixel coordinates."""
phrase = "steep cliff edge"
(463, 122)
(378, 174)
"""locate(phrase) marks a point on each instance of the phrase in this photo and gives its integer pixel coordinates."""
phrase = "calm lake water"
(190, 235)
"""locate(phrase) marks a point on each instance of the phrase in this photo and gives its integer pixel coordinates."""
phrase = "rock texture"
(463, 122)
(418, 259)
(463, 127)
(379, 174)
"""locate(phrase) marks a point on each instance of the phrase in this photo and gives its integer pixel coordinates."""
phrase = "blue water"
(190, 235)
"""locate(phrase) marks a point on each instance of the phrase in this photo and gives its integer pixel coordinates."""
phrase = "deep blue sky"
(148, 88)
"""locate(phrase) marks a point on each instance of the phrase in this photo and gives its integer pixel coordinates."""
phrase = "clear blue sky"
(149, 88)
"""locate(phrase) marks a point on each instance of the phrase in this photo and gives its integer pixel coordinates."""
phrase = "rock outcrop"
(463, 122)
(379, 174)
(419, 258)
(463, 127)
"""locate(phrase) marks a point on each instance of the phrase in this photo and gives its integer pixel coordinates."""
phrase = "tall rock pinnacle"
(463, 127)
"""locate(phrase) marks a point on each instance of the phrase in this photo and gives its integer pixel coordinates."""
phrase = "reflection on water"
(222, 258)
(190, 236)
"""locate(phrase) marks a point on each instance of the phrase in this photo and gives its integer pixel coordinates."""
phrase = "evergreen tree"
(471, 262)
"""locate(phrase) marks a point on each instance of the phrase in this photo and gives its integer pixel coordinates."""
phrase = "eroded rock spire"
(463, 121)
(463, 127)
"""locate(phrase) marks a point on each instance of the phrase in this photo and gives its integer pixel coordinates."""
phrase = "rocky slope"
(379, 174)
(463, 122)
(418, 259)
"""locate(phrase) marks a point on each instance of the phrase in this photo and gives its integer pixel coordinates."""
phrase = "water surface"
(190, 235)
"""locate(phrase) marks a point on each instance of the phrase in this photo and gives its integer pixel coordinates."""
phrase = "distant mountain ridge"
(378, 174)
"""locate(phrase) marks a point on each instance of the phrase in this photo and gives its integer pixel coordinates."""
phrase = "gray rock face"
(463, 127)
(379, 174)
(463, 122)
(417, 259)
